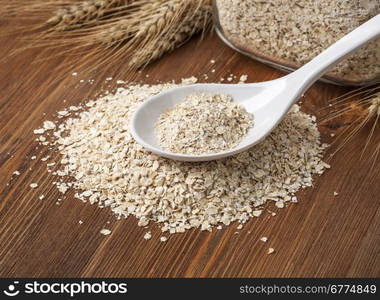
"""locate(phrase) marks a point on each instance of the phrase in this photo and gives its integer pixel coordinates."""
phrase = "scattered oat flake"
(257, 213)
(33, 157)
(63, 113)
(212, 61)
(39, 131)
(148, 235)
(280, 204)
(336, 193)
(33, 185)
(264, 239)
(49, 125)
(41, 197)
(62, 187)
(243, 78)
(74, 108)
(239, 226)
(163, 239)
(270, 250)
(189, 80)
(105, 231)
(16, 173)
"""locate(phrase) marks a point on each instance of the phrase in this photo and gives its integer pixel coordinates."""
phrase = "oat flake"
(105, 231)
(148, 235)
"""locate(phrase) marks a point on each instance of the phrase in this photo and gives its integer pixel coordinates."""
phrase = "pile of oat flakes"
(105, 166)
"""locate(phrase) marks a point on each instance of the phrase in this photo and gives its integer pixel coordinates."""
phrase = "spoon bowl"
(249, 96)
(268, 101)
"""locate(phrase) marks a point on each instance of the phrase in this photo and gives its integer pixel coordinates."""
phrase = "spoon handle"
(314, 69)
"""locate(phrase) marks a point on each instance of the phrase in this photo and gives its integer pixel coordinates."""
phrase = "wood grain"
(320, 236)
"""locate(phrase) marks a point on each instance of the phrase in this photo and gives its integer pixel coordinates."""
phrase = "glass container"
(288, 33)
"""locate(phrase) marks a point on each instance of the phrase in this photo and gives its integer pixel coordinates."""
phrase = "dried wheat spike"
(76, 15)
(364, 106)
(154, 49)
(374, 114)
(158, 27)
(138, 30)
(374, 109)
(143, 23)
(119, 31)
(191, 22)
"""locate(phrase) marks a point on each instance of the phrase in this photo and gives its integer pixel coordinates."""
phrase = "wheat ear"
(153, 28)
(158, 27)
(169, 36)
(138, 31)
(367, 108)
(31, 7)
(78, 14)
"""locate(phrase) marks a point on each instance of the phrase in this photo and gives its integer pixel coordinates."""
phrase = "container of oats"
(287, 34)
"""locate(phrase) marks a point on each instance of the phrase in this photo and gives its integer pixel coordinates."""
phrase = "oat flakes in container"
(288, 33)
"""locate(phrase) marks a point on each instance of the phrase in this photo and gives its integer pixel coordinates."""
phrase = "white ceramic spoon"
(268, 101)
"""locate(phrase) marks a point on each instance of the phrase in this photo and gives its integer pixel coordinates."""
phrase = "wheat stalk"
(167, 35)
(138, 31)
(150, 29)
(158, 27)
(17, 7)
(374, 109)
(65, 14)
(365, 104)
(77, 15)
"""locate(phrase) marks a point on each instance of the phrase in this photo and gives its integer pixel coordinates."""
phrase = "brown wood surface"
(322, 235)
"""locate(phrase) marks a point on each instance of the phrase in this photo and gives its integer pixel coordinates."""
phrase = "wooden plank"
(322, 235)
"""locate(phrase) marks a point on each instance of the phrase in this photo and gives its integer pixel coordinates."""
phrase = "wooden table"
(322, 235)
